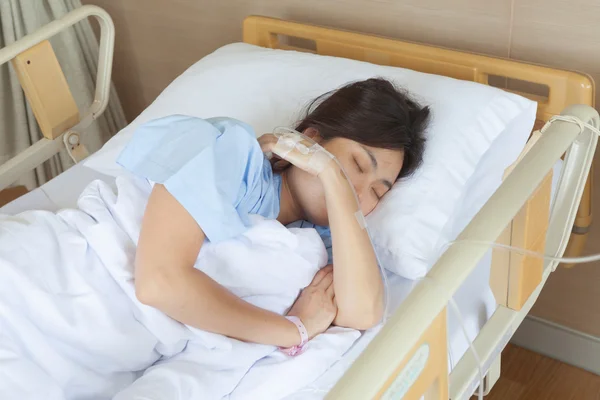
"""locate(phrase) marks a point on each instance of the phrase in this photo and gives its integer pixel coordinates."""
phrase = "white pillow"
(268, 88)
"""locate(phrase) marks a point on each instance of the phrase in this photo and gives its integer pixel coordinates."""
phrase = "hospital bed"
(418, 352)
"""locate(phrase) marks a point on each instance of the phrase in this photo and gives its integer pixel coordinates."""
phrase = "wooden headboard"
(553, 89)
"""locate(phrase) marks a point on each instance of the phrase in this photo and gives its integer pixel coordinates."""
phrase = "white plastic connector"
(76, 150)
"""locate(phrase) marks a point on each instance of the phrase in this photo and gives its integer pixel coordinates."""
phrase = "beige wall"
(158, 39)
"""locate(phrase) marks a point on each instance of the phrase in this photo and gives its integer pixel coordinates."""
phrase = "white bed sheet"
(60, 192)
(474, 299)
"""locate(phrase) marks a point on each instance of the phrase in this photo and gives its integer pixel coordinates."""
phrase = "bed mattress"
(474, 299)
(60, 192)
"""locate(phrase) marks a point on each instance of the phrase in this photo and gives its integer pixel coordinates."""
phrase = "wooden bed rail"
(514, 277)
(564, 87)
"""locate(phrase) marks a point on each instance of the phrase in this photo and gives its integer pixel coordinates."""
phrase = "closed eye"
(376, 194)
(358, 166)
(381, 188)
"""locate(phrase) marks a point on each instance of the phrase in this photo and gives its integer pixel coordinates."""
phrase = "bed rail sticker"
(409, 375)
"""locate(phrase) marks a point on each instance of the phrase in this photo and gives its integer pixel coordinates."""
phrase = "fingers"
(319, 276)
(279, 164)
(326, 281)
(267, 138)
(330, 292)
(266, 142)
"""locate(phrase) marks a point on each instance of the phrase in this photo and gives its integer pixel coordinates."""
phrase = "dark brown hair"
(373, 113)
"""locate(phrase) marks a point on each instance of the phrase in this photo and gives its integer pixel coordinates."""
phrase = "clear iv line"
(526, 252)
(461, 322)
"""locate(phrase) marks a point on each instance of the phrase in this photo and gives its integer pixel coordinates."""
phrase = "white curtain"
(77, 52)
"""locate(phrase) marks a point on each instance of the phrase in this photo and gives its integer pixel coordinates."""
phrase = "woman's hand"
(267, 142)
(311, 162)
(316, 306)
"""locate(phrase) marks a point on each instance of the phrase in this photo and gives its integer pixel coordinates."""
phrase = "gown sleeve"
(210, 166)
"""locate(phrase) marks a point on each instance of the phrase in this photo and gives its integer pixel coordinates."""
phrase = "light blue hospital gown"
(215, 169)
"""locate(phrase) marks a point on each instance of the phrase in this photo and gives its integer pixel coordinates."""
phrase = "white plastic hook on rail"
(76, 150)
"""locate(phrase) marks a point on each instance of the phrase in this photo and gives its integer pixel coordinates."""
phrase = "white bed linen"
(474, 298)
(71, 326)
(60, 192)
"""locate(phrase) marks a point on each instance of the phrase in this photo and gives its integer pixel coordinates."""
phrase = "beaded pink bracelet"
(297, 349)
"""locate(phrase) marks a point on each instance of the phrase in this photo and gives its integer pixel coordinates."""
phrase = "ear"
(313, 133)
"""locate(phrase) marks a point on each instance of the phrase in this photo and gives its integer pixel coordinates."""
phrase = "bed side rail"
(502, 325)
(45, 88)
(381, 363)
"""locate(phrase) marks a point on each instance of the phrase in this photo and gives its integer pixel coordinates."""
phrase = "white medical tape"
(303, 149)
(287, 141)
(285, 144)
(319, 159)
(360, 218)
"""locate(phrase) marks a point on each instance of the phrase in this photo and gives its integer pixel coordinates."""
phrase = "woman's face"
(372, 171)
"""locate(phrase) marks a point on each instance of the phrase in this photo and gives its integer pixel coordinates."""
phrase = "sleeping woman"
(376, 133)
(109, 298)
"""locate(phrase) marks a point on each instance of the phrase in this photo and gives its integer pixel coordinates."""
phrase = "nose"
(365, 203)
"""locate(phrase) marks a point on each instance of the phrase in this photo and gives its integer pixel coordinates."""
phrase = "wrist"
(300, 329)
(289, 335)
(335, 183)
(332, 174)
(302, 335)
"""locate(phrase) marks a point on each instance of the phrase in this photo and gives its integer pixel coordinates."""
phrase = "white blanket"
(72, 328)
